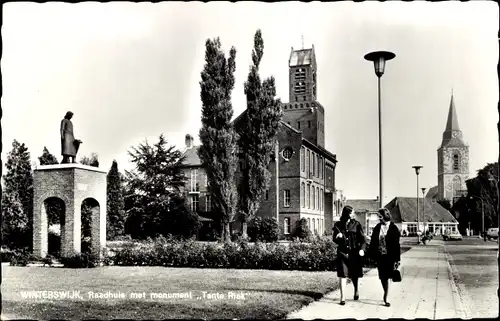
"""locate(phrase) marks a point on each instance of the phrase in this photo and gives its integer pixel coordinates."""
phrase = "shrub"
(302, 231)
(264, 229)
(125, 237)
(82, 260)
(22, 257)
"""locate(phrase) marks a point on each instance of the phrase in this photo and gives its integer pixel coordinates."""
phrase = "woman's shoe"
(387, 304)
(356, 297)
(342, 302)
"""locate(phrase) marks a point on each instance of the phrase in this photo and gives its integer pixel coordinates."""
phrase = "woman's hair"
(68, 115)
(346, 212)
(385, 213)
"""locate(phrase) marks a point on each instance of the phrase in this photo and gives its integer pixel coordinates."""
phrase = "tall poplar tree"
(217, 135)
(115, 203)
(47, 158)
(260, 126)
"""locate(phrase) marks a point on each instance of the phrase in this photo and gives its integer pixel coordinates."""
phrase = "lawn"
(266, 294)
(212, 293)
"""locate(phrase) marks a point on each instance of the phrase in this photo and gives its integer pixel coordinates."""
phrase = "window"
(305, 98)
(309, 223)
(298, 125)
(287, 153)
(308, 155)
(314, 199)
(194, 202)
(208, 203)
(195, 186)
(286, 225)
(314, 226)
(314, 164)
(412, 228)
(206, 180)
(456, 162)
(267, 195)
(286, 198)
(321, 167)
(300, 88)
(302, 194)
(309, 124)
(308, 196)
(431, 228)
(321, 202)
(302, 159)
(317, 199)
(311, 168)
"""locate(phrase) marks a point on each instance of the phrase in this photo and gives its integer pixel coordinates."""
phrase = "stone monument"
(73, 184)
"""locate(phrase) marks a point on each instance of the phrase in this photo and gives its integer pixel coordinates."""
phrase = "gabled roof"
(433, 192)
(192, 158)
(404, 209)
(370, 205)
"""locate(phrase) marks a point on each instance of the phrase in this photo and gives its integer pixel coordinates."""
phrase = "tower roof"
(302, 57)
(452, 123)
(452, 136)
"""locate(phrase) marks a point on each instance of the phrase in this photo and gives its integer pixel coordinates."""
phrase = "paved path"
(427, 291)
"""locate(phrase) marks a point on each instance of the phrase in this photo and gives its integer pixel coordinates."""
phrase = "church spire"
(452, 135)
(452, 123)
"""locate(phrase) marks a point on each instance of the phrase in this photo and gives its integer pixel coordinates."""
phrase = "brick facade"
(301, 164)
(73, 184)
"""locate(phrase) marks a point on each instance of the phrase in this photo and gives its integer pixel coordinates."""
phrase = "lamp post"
(417, 171)
(379, 58)
(423, 206)
(482, 214)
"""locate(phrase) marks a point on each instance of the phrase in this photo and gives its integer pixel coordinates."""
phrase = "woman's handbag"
(397, 274)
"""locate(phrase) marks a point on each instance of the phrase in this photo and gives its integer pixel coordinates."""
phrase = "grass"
(266, 294)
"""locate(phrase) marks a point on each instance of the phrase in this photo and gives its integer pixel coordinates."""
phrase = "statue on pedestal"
(69, 145)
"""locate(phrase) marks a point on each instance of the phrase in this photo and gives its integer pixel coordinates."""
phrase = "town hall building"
(302, 169)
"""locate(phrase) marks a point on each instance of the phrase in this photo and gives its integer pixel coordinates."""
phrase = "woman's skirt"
(350, 266)
(385, 267)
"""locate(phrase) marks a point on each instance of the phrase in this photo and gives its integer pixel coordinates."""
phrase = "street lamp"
(379, 58)
(417, 171)
(482, 214)
(423, 205)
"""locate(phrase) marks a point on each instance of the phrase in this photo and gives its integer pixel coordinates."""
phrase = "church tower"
(303, 111)
(453, 159)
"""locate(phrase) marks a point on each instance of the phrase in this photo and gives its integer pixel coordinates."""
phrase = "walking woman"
(385, 249)
(349, 236)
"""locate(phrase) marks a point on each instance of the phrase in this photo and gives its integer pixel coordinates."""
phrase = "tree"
(14, 221)
(92, 160)
(484, 187)
(54, 207)
(446, 204)
(153, 195)
(47, 158)
(18, 187)
(218, 138)
(115, 203)
(258, 133)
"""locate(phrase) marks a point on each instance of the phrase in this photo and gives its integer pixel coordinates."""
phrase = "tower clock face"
(455, 134)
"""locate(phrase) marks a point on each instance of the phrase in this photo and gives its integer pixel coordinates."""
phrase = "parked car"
(452, 236)
(492, 233)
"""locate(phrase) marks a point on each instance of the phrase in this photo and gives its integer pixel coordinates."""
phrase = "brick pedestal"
(73, 184)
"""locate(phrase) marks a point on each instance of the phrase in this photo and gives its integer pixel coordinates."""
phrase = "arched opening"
(90, 210)
(55, 213)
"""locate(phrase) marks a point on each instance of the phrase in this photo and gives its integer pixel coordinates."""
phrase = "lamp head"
(423, 190)
(379, 58)
(417, 169)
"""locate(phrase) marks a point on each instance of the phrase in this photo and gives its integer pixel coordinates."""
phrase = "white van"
(492, 233)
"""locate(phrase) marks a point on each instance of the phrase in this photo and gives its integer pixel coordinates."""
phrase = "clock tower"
(453, 159)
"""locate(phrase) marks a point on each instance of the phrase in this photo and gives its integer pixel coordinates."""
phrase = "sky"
(131, 71)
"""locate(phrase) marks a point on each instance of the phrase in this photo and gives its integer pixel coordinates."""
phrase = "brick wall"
(72, 183)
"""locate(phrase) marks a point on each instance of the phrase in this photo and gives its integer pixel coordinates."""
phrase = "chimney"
(189, 141)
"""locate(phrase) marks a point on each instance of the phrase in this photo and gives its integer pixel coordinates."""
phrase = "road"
(475, 270)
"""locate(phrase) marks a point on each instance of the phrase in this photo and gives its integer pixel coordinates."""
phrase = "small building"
(366, 211)
(432, 216)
